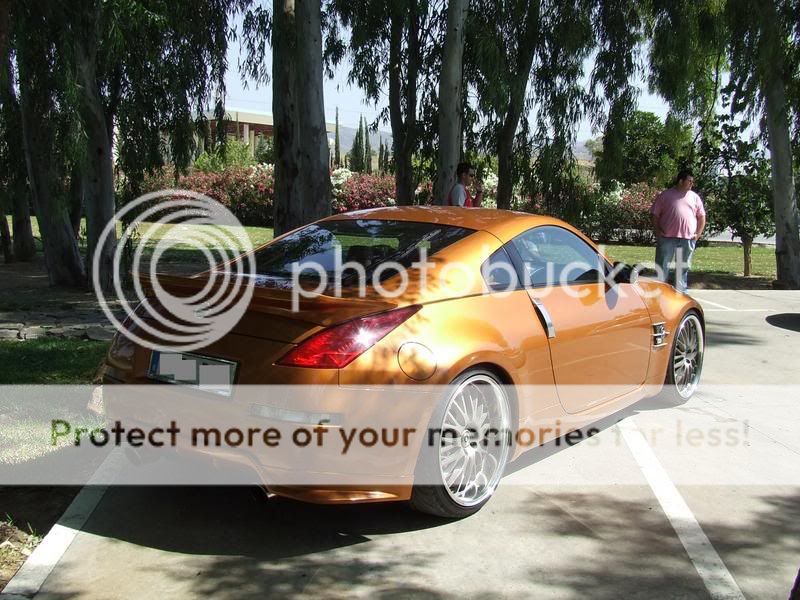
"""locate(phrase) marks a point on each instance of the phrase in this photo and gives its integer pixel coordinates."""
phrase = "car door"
(599, 334)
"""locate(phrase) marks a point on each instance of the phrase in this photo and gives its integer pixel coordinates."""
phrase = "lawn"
(728, 258)
(717, 260)
(28, 512)
(50, 360)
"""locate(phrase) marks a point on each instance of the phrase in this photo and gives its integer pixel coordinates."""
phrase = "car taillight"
(338, 346)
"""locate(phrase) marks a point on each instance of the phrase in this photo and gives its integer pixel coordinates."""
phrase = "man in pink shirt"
(678, 220)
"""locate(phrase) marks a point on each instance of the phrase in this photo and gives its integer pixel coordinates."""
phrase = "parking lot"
(647, 509)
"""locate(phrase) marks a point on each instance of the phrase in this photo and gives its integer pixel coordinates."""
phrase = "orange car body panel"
(601, 337)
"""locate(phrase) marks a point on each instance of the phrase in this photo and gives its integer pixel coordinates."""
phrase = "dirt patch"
(27, 513)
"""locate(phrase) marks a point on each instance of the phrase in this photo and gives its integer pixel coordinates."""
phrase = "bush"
(362, 190)
(246, 191)
(234, 154)
(635, 223)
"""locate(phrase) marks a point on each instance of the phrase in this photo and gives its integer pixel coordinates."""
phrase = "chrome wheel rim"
(475, 440)
(687, 361)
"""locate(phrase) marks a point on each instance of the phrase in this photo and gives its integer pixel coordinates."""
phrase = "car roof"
(504, 224)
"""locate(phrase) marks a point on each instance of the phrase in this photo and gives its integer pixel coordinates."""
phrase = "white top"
(458, 195)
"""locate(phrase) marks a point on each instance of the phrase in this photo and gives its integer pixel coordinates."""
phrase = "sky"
(350, 100)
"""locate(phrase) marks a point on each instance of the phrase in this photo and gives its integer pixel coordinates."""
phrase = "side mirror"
(624, 273)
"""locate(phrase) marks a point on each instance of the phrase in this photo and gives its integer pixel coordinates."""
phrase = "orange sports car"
(516, 321)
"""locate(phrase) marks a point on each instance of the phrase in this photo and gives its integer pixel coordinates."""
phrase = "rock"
(33, 333)
(9, 334)
(10, 325)
(99, 334)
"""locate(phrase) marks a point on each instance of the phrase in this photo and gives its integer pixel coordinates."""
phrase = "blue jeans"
(681, 251)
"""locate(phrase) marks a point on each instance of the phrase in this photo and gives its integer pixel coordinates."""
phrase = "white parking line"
(717, 304)
(716, 577)
(32, 574)
(737, 310)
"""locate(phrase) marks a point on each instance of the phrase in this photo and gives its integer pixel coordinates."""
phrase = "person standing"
(679, 218)
(459, 194)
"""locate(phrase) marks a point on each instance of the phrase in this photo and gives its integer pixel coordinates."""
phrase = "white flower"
(339, 176)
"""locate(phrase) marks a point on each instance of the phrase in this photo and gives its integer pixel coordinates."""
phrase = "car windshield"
(365, 242)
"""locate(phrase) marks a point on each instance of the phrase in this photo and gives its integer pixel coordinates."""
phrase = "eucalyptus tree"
(294, 30)
(764, 41)
(145, 67)
(502, 41)
(451, 98)
(395, 45)
(302, 176)
(99, 78)
(13, 177)
(46, 110)
(758, 41)
(525, 57)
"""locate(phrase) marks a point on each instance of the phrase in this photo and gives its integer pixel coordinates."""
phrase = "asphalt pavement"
(695, 500)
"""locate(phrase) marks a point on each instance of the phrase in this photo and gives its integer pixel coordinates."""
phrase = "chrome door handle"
(548, 321)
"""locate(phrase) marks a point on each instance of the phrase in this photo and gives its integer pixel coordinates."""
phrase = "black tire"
(676, 390)
(431, 495)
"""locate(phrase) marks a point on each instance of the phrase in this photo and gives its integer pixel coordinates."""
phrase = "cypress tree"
(337, 154)
(357, 151)
(367, 150)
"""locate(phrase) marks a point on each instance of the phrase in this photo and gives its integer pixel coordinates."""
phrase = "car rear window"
(367, 242)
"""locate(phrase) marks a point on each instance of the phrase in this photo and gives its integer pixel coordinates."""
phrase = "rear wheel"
(686, 359)
(459, 470)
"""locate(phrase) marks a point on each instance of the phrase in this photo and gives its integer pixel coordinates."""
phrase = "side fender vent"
(660, 335)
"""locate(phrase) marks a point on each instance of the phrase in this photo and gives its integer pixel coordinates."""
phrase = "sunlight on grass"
(714, 259)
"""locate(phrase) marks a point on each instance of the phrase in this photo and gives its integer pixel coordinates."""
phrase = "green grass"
(257, 235)
(50, 361)
(727, 259)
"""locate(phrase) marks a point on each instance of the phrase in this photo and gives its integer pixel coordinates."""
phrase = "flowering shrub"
(246, 191)
(620, 214)
(634, 213)
(339, 177)
(361, 190)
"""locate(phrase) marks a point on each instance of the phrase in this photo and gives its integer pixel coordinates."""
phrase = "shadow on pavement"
(790, 321)
(644, 558)
(715, 337)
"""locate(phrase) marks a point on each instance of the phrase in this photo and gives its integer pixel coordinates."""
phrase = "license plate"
(204, 373)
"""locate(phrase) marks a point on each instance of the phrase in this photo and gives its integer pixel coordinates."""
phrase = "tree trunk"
(516, 103)
(61, 254)
(76, 192)
(787, 232)
(24, 246)
(5, 239)
(505, 158)
(450, 97)
(302, 177)
(404, 134)
(98, 183)
(773, 88)
(747, 246)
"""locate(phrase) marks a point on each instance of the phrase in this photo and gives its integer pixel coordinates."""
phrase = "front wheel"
(686, 359)
(468, 448)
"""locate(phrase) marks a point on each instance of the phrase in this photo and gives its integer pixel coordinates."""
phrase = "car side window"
(499, 273)
(552, 255)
